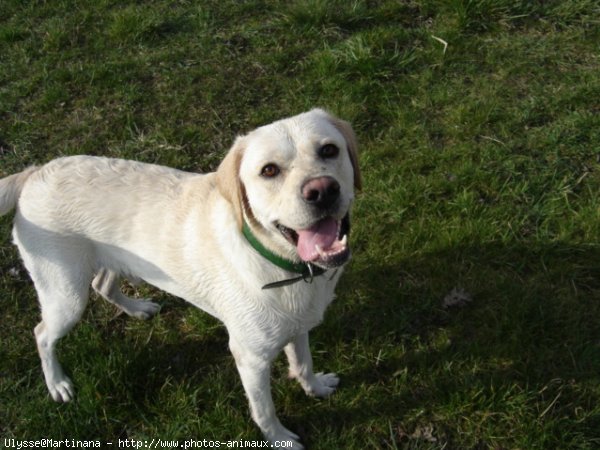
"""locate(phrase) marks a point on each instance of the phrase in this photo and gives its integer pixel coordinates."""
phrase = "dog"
(260, 244)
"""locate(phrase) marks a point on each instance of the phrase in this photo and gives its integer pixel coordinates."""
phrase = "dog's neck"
(306, 270)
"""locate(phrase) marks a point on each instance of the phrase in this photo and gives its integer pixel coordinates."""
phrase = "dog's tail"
(11, 187)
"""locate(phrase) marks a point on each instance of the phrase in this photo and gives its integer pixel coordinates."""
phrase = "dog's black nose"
(321, 192)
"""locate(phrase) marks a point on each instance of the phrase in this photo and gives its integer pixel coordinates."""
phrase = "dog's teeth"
(319, 250)
(344, 240)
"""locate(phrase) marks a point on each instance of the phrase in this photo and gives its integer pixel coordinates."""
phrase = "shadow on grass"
(530, 334)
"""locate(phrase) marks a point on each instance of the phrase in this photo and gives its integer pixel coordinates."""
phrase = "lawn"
(479, 131)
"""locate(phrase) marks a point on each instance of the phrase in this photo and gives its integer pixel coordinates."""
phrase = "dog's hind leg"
(61, 272)
(107, 284)
(63, 296)
(59, 385)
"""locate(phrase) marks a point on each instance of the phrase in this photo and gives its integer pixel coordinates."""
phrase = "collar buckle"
(307, 271)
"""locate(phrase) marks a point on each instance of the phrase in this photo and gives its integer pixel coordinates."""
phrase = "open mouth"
(325, 243)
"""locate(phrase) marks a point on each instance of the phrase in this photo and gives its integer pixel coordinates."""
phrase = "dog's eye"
(328, 151)
(270, 171)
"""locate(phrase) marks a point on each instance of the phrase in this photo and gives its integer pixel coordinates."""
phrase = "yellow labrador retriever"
(259, 244)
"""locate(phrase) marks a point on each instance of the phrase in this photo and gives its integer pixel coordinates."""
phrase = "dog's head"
(293, 181)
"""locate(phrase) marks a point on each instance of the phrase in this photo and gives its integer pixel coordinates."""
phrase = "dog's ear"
(352, 144)
(228, 180)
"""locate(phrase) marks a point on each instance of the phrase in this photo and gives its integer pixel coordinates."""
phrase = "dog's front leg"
(255, 372)
(301, 368)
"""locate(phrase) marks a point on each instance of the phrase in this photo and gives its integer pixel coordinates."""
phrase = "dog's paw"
(283, 438)
(62, 391)
(142, 309)
(323, 385)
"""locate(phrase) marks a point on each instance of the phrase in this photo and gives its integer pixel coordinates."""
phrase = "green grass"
(481, 164)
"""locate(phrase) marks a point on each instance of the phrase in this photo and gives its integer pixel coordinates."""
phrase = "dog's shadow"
(528, 317)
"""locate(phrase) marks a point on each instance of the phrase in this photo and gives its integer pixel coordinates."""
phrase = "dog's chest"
(301, 306)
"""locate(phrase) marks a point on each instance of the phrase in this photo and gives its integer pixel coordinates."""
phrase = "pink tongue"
(323, 234)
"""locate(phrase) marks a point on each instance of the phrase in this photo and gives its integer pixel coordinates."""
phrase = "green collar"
(307, 271)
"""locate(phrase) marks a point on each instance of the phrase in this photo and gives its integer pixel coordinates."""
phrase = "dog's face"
(293, 181)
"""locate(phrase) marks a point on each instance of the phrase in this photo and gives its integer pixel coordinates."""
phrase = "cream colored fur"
(85, 220)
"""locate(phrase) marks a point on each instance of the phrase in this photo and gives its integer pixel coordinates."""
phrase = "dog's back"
(78, 194)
